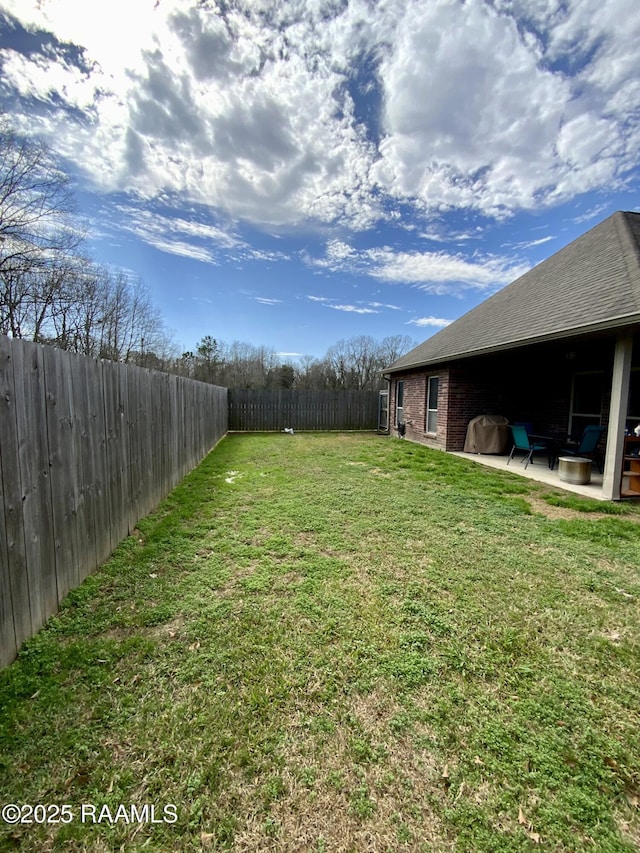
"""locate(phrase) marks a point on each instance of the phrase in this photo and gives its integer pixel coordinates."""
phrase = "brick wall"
(415, 406)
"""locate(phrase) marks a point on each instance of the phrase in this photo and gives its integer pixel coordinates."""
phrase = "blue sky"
(294, 173)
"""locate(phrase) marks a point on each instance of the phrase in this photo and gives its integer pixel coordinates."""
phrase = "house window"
(399, 402)
(432, 403)
(383, 411)
(586, 401)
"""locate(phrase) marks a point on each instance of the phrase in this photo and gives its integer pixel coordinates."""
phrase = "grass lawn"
(331, 642)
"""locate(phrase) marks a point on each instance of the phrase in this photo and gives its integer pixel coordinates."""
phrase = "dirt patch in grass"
(138, 536)
(240, 575)
(378, 472)
(169, 630)
(353, 784)
(543, 508)
(630, 827)
(554, 506)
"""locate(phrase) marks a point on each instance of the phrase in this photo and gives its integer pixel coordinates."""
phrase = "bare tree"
(132, 326)
(51, 293)
(14, 304)
(364, 355)
(71, 318)
(247, 365)
(354, 363)
(358, 363)
(38, 231)
(394, 346)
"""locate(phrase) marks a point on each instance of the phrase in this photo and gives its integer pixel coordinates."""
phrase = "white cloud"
(265, 256)
(361, 307)
(468, 109)
(422, 322)
(439, 272)
(530, 244)
(45, 77)
(592, 213)
(353, 309)
(254, 108)
(175, 235)
(475, 114)
(184, 249)
(434, 272)
(264, 301)
(233, 113)
(337, 250)
(384, 305)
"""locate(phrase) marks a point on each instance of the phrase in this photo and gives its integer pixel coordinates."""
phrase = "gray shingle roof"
(593, 283)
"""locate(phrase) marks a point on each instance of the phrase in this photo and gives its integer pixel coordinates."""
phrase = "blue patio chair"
(588, 445)
(522, 443)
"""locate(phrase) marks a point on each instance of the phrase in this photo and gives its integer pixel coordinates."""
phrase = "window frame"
(399, 397)
(431, 413)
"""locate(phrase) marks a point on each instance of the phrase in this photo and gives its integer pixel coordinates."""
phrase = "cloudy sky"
(293, 172)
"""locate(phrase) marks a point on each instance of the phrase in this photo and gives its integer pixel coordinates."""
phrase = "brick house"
(558, 348)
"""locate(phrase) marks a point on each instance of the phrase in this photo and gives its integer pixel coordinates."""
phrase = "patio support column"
(617, 417)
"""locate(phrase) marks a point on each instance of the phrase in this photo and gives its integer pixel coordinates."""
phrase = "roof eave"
(605, 325)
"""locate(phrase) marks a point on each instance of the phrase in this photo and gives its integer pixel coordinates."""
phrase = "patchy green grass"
(579, 504)
(340, 642)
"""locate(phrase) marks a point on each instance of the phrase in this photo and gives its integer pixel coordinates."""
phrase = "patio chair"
(587, 446)
(522, 443)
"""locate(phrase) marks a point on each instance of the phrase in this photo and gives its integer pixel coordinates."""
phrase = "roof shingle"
(592, 283)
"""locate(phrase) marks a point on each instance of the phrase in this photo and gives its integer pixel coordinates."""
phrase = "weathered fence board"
(114, 395)
(10, 633)
(7, 628)
(302, 410)
(63, 467)
(86, 448)
(28, 364)
(17, 579)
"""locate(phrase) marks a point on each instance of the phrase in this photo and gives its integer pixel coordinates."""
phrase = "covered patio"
(557, 351)
(557, 388)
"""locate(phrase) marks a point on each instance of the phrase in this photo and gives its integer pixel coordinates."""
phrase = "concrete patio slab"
(540, 471)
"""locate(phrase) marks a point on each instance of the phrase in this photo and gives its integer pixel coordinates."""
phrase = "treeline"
(51, 292)
(354, 364)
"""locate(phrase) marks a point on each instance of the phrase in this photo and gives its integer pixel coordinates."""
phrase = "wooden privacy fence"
(87, 447)
(302, 410)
